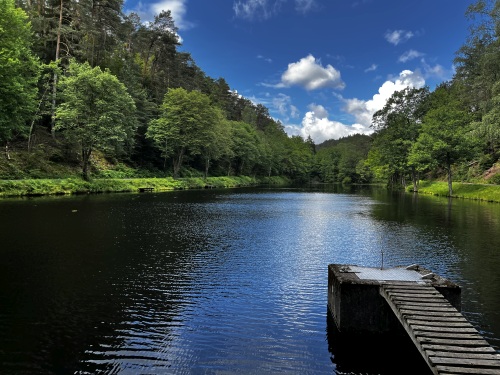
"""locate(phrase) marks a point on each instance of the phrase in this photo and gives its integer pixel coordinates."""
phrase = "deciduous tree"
(97, 112)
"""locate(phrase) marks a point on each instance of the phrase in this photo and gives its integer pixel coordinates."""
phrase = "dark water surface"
(222, 282)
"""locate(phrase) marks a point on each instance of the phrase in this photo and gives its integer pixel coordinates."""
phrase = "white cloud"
(323, 129)
(283, 105)
(317, 124)
(264, 9)
(364, 110)
(318, 110)
(398, 36)
(252, 9)
(310, 74)
(371, 68)
(178, 8)
(410, 55)
(265, 58)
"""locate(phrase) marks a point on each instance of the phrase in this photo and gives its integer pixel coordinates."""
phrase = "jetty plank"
(459, 349)
(466, 370)
(469, 355)
(469, 329)
(442, 323)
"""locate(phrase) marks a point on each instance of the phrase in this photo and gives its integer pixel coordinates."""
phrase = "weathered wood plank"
(442, 323)
(437, 319)
(409, 291)
(465, 362)
(434, 309)
(422, 300)
(417, 295)
(452, 342)
(421, 304)
(459, 349)
(454, 335)
(414, 292)
(464, 371)
(469, 355)
(457, 330)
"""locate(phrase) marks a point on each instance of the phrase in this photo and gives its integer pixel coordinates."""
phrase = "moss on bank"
(483, 192)
(35, 187)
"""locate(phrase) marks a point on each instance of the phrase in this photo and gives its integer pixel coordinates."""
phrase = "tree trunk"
(7, 155)
(450, 188)
(86, 163)
(177, 162)
(414, 178)
(54, 87)
(166, 156)
(207, 165)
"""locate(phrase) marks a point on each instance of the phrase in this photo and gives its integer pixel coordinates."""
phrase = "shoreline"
(75, 186)
(479, 192)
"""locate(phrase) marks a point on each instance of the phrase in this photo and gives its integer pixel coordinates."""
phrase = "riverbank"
(39, 187)
(482, 192)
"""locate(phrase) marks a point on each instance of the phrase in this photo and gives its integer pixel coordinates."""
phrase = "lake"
(223, 281)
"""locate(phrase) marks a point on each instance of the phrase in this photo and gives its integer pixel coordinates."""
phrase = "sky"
(321, 67)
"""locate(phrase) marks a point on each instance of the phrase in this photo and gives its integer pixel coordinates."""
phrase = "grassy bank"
(36, 187)
(489, 193)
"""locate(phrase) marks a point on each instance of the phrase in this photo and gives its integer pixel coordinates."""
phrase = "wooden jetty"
(425, 305)
(146, 189)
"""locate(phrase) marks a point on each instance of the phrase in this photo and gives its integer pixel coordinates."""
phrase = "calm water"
(216, 282)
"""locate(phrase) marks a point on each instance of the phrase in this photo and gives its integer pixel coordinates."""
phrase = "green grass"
(34, 187)
(483, 192)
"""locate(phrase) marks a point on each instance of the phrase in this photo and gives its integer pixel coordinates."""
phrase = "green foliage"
(186, 126)
(19, 71)
(344, 159)
(490, 193)
(97, 112)
(445, 135)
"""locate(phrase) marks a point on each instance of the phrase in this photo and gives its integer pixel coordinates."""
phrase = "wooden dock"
(446, 340)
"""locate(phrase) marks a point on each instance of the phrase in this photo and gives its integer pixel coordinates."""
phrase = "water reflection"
(220, 281)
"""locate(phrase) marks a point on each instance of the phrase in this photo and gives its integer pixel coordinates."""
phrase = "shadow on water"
(392, 354)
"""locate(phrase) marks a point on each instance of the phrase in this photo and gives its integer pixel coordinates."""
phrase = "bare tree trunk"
(207, 165)
(7, 155)
(450, 187)
(86, 163)
(414, 178)
(166, 156)
(54, 87)
(178, 162)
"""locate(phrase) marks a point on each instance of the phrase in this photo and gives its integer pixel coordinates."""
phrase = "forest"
(88, 90)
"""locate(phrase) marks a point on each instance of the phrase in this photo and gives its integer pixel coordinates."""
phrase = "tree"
(397, 127)
(97, 112)
(445, 136)
(19, 71)
(218, 142)
(184, 126)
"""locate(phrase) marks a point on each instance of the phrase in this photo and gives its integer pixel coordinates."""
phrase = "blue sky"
(322, 67)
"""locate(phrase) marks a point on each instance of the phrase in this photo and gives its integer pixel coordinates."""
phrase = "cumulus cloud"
(318, 110)
(363, 110)
(310, 74)
(321, 129)
(398, 36)
(282, 104)
(317, 124)
(410, 55)
(178, 8)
